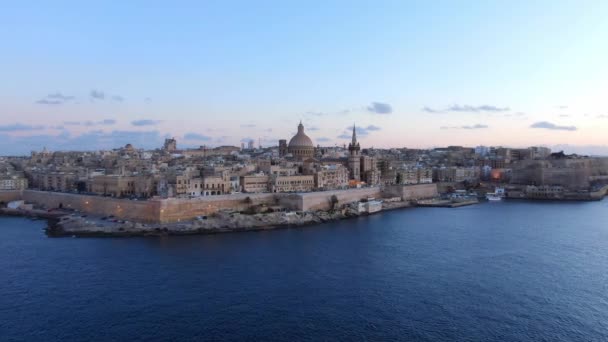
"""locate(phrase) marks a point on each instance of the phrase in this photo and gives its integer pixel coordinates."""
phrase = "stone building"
(255, 183)
(13, 183)
(113, 185)
(354, 158)
(301, 146)
(296, 183)
(282, 148)
(329, 177)
(170, 145)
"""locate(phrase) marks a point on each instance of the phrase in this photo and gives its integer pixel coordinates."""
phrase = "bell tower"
(354, 159)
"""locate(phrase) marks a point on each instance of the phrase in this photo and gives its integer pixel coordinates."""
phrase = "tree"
(334, 201)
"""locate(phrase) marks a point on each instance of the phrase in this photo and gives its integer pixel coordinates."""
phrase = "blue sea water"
(508, 271)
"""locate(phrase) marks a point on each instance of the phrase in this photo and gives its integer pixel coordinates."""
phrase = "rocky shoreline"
(220, 223)
(65, 224)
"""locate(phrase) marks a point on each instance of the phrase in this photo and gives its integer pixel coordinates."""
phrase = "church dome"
(300, 139)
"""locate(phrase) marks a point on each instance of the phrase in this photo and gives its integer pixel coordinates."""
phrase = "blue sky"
(419, 74)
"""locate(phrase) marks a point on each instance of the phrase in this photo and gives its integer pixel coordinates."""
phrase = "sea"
(499, 271)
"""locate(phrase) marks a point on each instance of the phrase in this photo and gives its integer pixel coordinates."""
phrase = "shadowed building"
(282, 148)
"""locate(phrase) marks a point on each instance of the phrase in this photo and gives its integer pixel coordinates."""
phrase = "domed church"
(300, 146)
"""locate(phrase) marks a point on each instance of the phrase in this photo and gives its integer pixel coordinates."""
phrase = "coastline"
(62, 224)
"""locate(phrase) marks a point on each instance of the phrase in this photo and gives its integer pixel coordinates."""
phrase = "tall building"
(170, 145)
(282, 148)
(354, 159)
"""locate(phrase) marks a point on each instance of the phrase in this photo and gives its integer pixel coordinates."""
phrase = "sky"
(417, 74)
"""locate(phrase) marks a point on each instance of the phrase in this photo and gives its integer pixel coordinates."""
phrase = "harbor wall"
(322, 200)
(411, 192)
(10, 195)
(176, 209)
(144, 211)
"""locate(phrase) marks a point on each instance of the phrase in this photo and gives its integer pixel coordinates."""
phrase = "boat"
(497, 195)
(493, 197)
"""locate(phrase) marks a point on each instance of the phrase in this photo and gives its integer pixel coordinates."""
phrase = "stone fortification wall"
(322, 200)
(411, 192)
(176, 209)
(10, 195)
(144, 211)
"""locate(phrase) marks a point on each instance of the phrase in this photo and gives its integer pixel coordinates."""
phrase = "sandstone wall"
(10, 195)
(176, 209)
(411, 192)
(322, 200)
(144, 211)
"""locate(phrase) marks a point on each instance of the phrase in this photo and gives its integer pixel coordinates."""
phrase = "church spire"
(354, 135)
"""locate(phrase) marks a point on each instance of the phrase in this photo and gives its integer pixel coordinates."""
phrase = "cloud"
(482, 108)
(361, 131)
(118, 98)
(60, 97)
(97, 95)
(552, 126)
(322, 139)
(248, 125)
(602, 116)
(380, 108)
(89, 141)
(477, 126)
(311, 113)
(55, 99)
(431, 110)
(562, 107)
(145, 122)
(467, 109)
(312, 128)
(18, 127)
(107, 122)
(49, 102)
(89, 123)
(196, 136)
(564, 116)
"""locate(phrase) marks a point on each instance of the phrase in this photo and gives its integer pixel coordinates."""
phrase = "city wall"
(143, 211)
(411, 192)
(10, 195)
(323, 200)
(176, 209)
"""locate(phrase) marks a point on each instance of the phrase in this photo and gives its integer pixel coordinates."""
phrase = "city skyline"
(408, 74)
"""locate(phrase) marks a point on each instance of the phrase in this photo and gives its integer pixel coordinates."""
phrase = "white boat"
(493, 197)
(497, 195)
